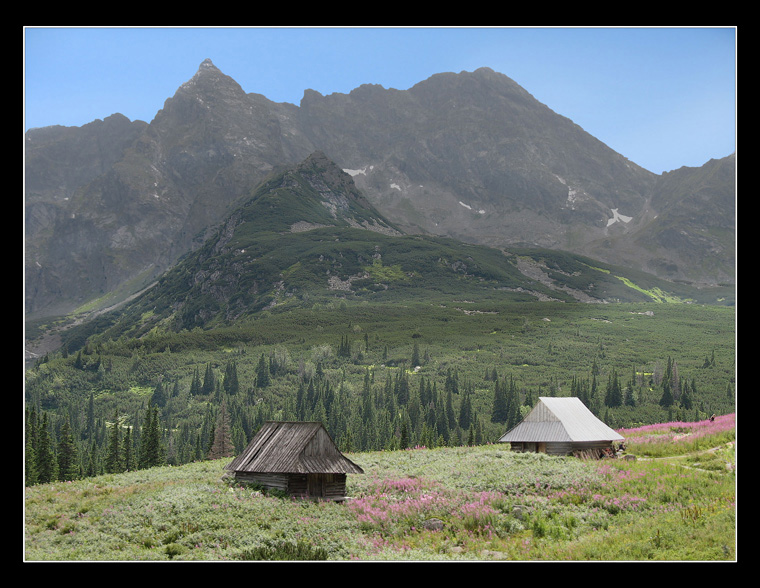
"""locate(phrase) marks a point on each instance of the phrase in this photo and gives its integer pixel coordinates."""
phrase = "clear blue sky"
(663, 97)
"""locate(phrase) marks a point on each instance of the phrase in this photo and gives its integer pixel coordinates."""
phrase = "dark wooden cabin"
(299, 458)
(561, 426)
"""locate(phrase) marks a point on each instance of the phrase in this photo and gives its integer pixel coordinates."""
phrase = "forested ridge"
(379, 378)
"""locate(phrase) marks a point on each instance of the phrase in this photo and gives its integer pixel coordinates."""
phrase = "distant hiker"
(712, 418)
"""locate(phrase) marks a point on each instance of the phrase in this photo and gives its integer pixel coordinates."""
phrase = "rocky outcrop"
(473, 156)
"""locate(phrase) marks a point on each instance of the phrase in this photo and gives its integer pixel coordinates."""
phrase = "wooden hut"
(299, 458)
(561, 426)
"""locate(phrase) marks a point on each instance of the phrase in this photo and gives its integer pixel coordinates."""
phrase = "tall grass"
(676, 438)
(465, 503)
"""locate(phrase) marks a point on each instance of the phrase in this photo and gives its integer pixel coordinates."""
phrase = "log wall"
(325, 486)
(561, 448)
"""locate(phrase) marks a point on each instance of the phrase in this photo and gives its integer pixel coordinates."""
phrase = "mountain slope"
(155, 199)
(307, 236)
(470, 156)
(475, 157)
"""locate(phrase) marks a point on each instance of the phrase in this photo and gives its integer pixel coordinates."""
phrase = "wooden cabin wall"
(559, 447)
(335, 486)
(327, 486)
(274, 481)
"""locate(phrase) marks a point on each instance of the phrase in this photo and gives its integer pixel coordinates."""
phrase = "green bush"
(282, 550)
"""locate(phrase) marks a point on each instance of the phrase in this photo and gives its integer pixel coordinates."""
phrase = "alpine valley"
(409, 267)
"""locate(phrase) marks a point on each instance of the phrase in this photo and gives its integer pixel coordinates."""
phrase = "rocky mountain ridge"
(266, 257)
(113, 204)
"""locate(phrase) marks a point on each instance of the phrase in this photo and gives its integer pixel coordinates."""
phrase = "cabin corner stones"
(298, 458)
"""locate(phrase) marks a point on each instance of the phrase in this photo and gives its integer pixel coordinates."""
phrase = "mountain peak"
(207, 64)
(207, 71)
(313, 193)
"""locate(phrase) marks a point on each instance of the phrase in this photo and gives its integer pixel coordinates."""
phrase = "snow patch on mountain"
(617, 217)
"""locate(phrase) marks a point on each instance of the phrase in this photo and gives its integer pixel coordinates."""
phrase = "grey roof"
(293, 447)
(560, 419)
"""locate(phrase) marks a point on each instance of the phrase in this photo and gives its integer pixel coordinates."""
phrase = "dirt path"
(676, 458)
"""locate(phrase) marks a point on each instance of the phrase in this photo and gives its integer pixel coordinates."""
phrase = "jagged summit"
(311, 194)
(207, 70)
(471, 156)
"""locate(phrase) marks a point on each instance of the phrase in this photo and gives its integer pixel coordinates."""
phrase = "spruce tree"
(687, 395)
(113, 450)
(499, 408)
(614, 395)
(31, 475)
(127, 451)
(92, 468)
(231, 384)
(208, 381)
(222, 445)
(262, 373)
(465, 411)
(150, 439)
(666, 400)
(90, 426)
(195, 383)
(404, 441)
(46, 462)
(68, 461)
(630, 398)
(159, 395)
(513, 405)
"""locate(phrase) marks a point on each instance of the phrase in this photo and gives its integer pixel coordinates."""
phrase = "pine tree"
(127, 451)
(465, 411)
(31, 474)
(344, 348)
(68, 461)
(401, 388)
(92, 468)
(159, 395)
(231, 384)
(614, 395)
(499, 408)
(113, 463)
(262, 373)
(90, 427)
(222, 445)
(630, 399)
(150, 439)
(195, 384)
(687, 395)
(513, 404)
(46, 462)
(666, 400)
(208, 381)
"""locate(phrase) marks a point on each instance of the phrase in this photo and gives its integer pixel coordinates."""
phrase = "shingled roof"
(560, 420)
(293, 447)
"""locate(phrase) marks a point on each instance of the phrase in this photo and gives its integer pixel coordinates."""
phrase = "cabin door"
(316, 484)
(541, 447)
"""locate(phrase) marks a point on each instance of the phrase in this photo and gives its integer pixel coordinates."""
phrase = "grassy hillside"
(383, 376)
(466, 503)
(307, 236)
